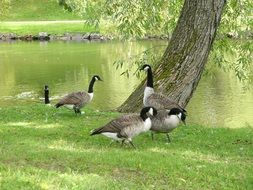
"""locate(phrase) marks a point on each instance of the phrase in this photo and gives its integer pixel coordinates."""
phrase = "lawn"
(32, 10)
(33, 28)
(33, 16)
(46, 148)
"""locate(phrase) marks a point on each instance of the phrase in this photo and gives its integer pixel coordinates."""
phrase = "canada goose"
(126, 127)
(166, 121)
(156, 100)
(79, 99)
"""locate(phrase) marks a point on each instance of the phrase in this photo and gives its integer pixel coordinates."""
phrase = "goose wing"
(117, 125)
(161, 114)
(76, 98)
(159, 118)
(158, 121)
(159, 101)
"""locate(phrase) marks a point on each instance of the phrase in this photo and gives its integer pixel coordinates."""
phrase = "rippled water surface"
(68, 66)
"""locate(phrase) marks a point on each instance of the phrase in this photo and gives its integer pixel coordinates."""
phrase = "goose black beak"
(184, 123)
(100, 80)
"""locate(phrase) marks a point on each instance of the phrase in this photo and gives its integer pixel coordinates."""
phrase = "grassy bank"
(33, 10)
(33, 28)
(45, 148)
(38, 11)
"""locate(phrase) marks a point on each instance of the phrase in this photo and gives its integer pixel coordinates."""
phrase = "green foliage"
(142, 17)
(4, 8)
(151, 56)
(46, 148)
(78, 6)
(235, 55)
(65, 5)
(237, 18)
(131, 18)
(236, 23)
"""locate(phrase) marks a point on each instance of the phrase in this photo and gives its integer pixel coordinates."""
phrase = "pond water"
(25, 67)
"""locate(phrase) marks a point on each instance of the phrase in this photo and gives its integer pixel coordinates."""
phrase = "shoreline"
(90, 36)
(44, 36)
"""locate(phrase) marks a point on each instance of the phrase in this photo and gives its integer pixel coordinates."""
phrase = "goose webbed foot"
(77, 110)
(152, 136)
(132, 144)
(168, 138)
(123, 142)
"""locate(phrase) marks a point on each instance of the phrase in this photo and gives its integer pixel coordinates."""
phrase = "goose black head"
(150, 110)
(179, 113)
(96, 77)
(145, 67)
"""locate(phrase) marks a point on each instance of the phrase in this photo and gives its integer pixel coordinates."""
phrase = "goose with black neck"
(166, 121)
(78, 100)
(156, 100)
(128, 126)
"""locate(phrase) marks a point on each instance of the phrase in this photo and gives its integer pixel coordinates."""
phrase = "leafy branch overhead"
(139, 18)
(151, 56)
(4, 8)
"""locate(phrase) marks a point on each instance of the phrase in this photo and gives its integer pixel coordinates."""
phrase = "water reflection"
(221, 101)
(68, 66)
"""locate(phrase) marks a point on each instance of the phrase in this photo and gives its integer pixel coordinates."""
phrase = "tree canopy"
(137, 18)
(4, 7)
(140, 17)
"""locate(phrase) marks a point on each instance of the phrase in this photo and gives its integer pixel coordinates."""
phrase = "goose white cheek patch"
(151, 111)
(146, 68)
(179, 115)
(96, 78)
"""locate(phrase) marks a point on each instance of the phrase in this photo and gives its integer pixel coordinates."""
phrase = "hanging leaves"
(4, 8)
(138, 18)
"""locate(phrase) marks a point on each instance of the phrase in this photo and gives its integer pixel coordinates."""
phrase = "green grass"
(36, 11)
(46, 148)
(32, 10)
(52, 28)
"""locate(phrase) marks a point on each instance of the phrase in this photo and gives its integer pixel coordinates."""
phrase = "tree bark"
(180, 69)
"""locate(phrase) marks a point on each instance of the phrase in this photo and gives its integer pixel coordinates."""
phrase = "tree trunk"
(180, 69)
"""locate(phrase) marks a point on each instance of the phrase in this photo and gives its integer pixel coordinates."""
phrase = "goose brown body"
(127, 126)
(79, 99)
(160, 101)
(166, 121)
(156, 100)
